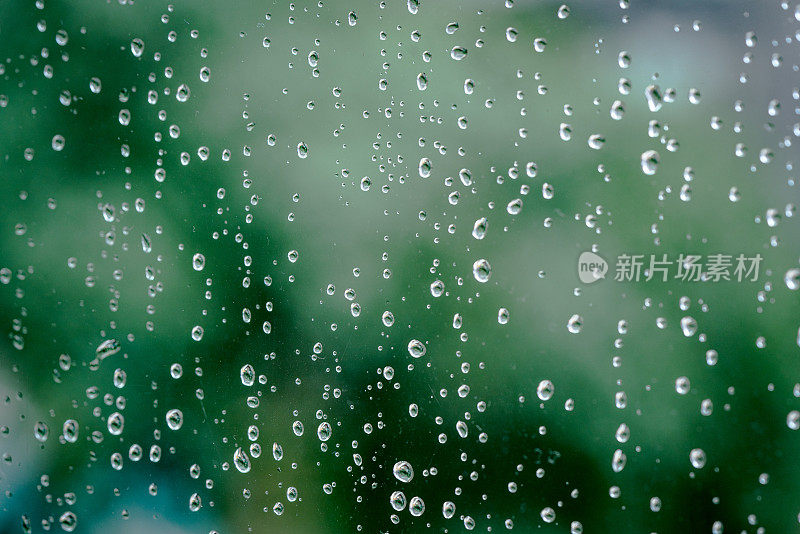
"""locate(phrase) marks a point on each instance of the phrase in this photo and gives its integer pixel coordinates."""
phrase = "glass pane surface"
(399, 266)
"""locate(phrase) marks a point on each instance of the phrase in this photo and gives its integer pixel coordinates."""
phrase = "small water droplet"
(575, 323)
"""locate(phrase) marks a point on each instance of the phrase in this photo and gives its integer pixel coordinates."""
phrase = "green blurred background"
(303, 257)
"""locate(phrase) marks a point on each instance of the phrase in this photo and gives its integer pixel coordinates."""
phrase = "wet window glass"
(399, 266)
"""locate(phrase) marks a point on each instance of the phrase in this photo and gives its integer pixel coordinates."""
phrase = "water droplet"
(403, 471)
(618, 461)
(502, 316)
(481, 270)
(623, 433)
(416, 506)
(107, 348)
(575, 323)
(462, 429)
(147, 245)
(324, 431)
(655, 504)
(697, 457)
(41, 431)
(198, 262)
(545, 390)
(458, 53)
(654, 97)
(416, 348)
(792, 279)
(617, 110)
(58, 142)
(115, 424)
(398, 500)
(95, 85)
(469, 86)
(277, 452)
(247, 375)
(297, 428)
(387, 319)
(70, 430)
(793, 420)
(302, 150)
(688, 326)
(197, 333)
(682, 385)
(596, 141)
(174, 419)
(448, 509)
(565, 131)
(137, 47)
(183, 93)
(68, 521)
(479, 228)
(649, 161)
(514, 207)
(437, 288)
(548, 515)
(425, 168)
(241, 461)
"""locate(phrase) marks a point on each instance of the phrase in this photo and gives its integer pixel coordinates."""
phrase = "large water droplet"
(416, 348)
(481, 270)
(688, 326)
(425, 168)
(649, 161)
(403, 471)
(137, 47)
(416, 506)
(458, 53)
(241, 461)
(697, 457)
(174, 419)
(324, 431)
(545, 390)
(479, 228)
(654, 97)
(398, 500)
(198, 262)
(248, 375)
(618, 461)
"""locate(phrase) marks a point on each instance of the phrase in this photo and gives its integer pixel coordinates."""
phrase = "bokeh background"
(292, 164)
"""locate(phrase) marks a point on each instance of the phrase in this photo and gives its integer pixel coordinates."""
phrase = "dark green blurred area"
(345, 86)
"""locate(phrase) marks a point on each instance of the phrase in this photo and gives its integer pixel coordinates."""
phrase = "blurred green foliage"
(312, 73)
